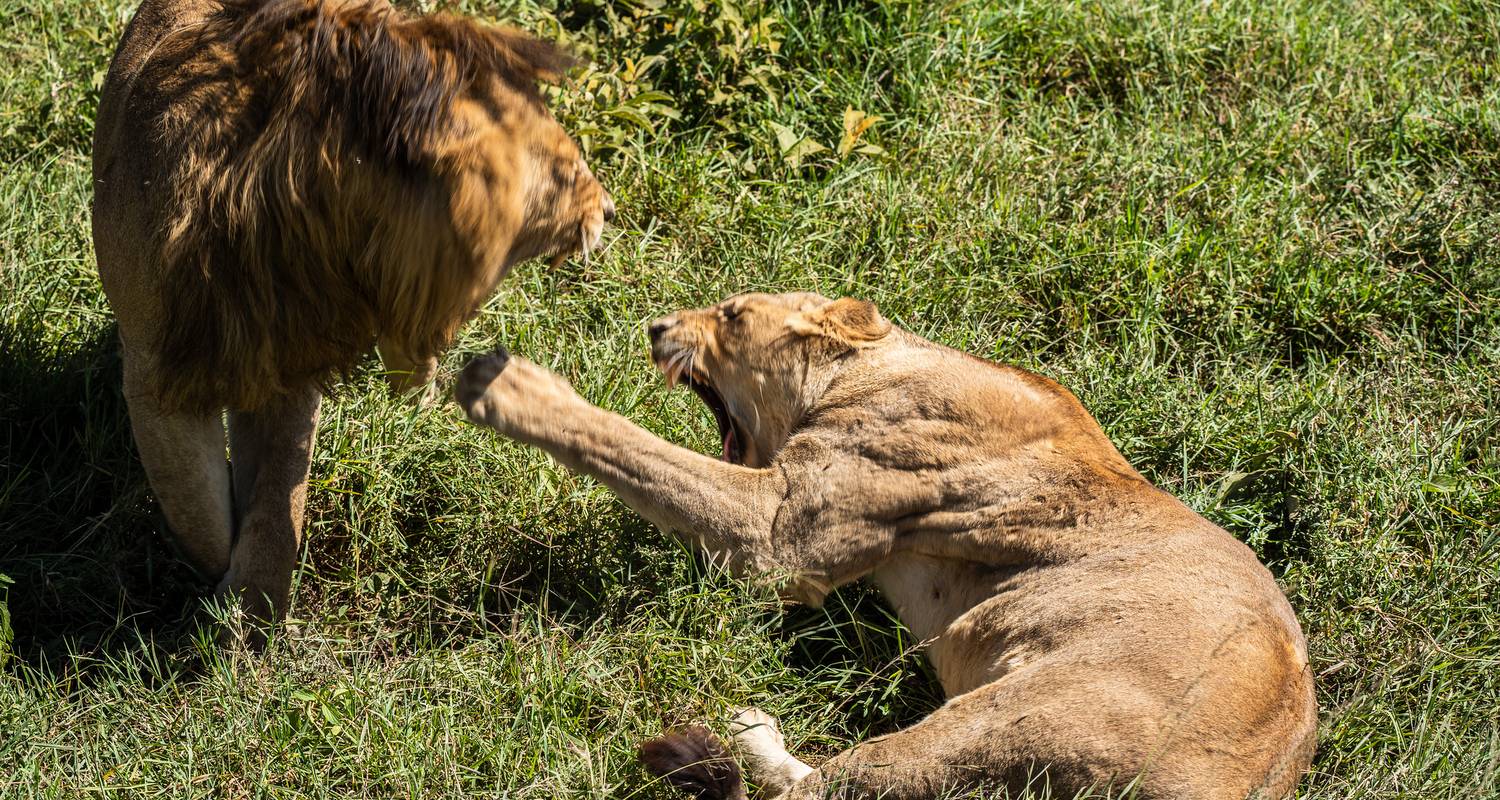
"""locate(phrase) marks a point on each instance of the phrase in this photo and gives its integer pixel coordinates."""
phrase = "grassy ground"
(1259, 238)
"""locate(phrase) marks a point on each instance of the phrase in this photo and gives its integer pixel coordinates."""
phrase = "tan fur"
(1082, 622)
(280, 185)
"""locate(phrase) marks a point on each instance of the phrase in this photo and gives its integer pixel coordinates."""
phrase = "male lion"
(279, 186)
(1089, 629)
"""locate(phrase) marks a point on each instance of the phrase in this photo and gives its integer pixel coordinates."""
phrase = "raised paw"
(513, 395)
(475, 381)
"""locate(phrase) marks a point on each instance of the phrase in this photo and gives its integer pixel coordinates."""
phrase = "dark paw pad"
(478, 375)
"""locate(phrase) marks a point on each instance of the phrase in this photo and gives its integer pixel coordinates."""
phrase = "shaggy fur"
(312, 186)
(1089, 630)
(279, 186)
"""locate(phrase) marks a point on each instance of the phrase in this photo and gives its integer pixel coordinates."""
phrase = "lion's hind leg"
(186, 465)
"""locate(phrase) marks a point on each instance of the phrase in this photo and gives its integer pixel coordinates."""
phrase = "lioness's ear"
(853, 322)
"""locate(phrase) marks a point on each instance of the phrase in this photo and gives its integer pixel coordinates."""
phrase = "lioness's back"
(1144, 611)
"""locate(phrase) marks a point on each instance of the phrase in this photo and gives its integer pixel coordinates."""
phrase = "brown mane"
(391, 78)
(308, 150)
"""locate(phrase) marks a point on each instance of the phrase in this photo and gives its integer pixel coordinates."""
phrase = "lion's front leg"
(407, 374)
(724, 508)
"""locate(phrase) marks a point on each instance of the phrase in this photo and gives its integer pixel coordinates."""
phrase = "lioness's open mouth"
(678, 366)
(729, 430)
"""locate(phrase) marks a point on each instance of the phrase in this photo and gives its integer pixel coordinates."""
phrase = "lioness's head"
(760, 361)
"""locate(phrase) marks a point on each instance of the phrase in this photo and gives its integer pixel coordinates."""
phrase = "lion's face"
(566, 208)
(760, 361)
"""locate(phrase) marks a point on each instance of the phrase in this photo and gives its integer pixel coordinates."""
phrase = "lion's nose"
(609, 209)
(659, 327)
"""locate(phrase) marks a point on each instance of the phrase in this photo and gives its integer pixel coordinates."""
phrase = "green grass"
(1259, 238)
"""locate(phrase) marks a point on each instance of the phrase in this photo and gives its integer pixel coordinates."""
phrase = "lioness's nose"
(609, 208)
(659, 327)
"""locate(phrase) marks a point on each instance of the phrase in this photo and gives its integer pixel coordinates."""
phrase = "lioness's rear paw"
(757, 732)
(758, 738)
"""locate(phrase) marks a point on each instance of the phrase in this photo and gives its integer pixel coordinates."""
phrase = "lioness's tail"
(695, 761)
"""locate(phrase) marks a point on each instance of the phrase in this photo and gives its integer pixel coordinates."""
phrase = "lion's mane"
(307, 152)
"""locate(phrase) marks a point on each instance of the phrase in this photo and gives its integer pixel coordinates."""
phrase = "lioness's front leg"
(726, 509)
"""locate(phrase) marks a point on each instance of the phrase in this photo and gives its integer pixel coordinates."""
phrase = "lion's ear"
(847, 320)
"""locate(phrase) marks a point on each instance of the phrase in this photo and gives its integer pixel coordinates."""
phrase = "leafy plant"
(662, 65)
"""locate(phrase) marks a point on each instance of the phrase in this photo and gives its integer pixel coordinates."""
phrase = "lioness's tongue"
(729, 444)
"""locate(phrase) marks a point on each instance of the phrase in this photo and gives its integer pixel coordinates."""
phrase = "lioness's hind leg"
(758, 738)
(271, 450)
(1055, 732)
(958, 749)
(185, 462)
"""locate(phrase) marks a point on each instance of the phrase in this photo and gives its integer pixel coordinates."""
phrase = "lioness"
(280, 185)
(1083, 622)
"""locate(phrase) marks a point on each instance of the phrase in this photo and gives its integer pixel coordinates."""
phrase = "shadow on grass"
(602, 569)
(854, 644)
(93, 573)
